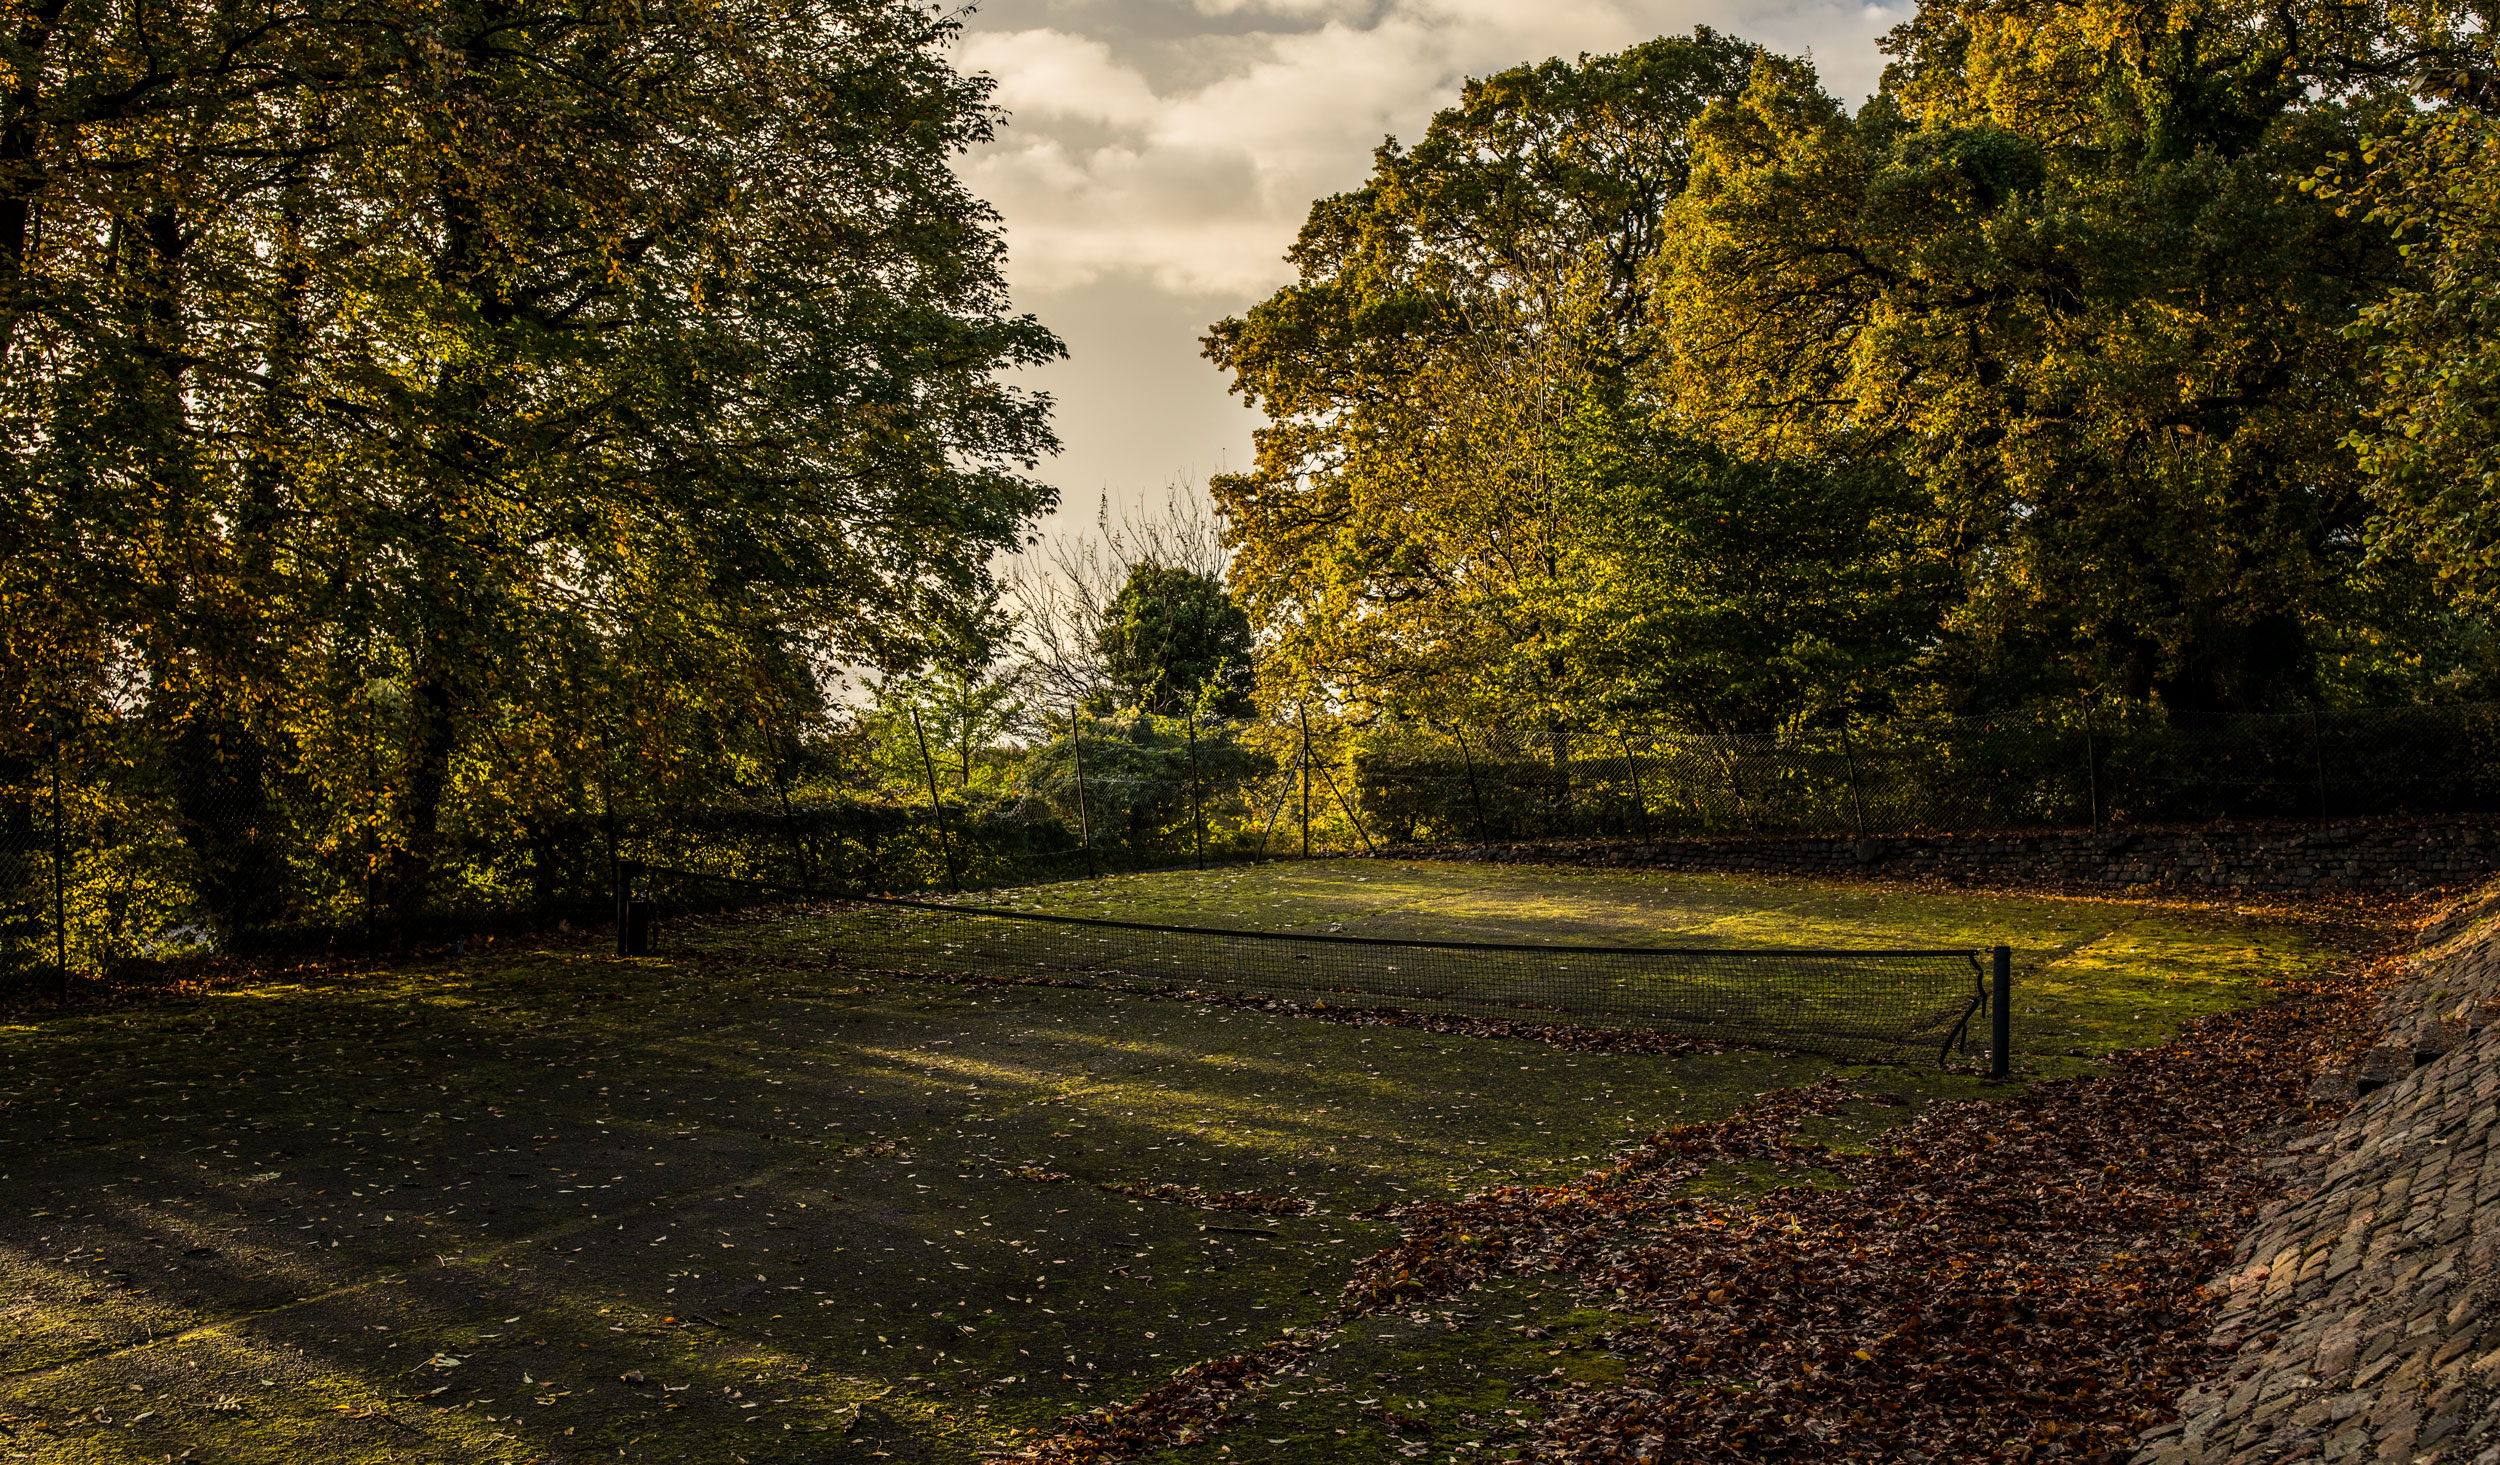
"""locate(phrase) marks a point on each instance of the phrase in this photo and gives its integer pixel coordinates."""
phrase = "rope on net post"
(937, 811)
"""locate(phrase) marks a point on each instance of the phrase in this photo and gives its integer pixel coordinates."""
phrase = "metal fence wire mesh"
(123, 845)
(2045, 767)
(1868, 1005)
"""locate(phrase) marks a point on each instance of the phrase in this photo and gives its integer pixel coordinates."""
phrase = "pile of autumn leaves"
(2007, 1280)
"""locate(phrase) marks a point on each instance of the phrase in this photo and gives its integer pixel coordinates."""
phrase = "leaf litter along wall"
(2358, 1321)
(2025, 1278)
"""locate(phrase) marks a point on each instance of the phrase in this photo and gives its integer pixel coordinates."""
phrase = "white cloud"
(1165, 152)
(1047, 75)
(1201, 185)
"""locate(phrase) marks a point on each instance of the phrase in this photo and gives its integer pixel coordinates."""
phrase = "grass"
(2091, 975)
(437, 1212)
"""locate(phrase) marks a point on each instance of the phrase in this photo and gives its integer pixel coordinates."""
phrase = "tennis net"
(1867, 1004)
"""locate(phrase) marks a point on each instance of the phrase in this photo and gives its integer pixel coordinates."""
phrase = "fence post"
(1351, 817)
(2317, 759)
(1084, 821)
(1565, 788)
(607, 783)
(1275, 811)
(1849, 756)
(2091, 770)
(1475, 796)
(1640, 797)
(633, 917)
(2000, 1012)
(937, 811)
(1304, 712)
(373, 799)
(1197, 813)
(60, 867)
(372, 854)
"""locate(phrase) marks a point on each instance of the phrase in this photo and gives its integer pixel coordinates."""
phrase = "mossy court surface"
(728, 1203)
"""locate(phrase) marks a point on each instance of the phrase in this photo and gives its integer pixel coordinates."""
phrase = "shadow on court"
(546, 1203)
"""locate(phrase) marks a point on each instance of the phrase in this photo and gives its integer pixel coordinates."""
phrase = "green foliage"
(1404, 531)
(2080, 343)
(433, 424)
(2432, 441)
(1172, 639)
(1146, 783)
(1719, 593)
(1662, 383)
(947, 724)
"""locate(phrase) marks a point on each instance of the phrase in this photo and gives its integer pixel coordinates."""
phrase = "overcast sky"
(1161, 154)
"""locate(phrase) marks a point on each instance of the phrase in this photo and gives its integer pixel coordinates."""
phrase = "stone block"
(2395, 1445)
(2336, 1349)
(2394, 1410)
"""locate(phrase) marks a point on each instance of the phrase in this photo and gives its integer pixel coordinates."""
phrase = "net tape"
(1872, 1004)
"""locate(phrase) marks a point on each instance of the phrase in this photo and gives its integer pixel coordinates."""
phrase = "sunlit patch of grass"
(2137, 983)
(2094, 975)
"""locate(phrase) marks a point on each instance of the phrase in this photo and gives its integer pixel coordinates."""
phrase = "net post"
(2000, 1011)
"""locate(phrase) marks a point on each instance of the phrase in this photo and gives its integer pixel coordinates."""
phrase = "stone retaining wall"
(2387, 856)
(2364, 1311)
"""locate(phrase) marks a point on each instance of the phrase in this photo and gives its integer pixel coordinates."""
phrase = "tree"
(2432, 438)
(1061, 600)
(2066, 284)
(1724, 594)
(609, 366)
(963, 704)
(1143, 776)
(1173, 640)
(1404, 529)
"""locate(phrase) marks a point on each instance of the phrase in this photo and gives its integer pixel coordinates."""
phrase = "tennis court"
(729, 1202)
(1877, 1004)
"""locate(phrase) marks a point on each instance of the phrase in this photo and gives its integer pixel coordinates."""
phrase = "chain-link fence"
(2055, 767)
(116, 848)
(119, 845)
